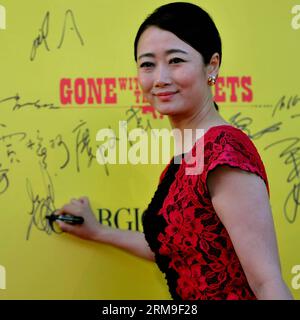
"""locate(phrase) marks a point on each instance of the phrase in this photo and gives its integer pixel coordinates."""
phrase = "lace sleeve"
(236, 150)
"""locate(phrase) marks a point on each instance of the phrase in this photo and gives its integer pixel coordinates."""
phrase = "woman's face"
(171, 73)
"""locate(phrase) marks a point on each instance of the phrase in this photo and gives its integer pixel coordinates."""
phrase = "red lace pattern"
(191, 245)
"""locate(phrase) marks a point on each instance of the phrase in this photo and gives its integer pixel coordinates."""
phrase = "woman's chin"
(165, 110)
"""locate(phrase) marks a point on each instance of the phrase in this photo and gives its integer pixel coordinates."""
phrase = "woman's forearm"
(273, 290)
(131, 241)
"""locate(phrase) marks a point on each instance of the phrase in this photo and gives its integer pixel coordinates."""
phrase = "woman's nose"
(162, 77)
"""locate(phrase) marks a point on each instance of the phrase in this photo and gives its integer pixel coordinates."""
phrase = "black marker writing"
(82, 145)
(41, 206)
(293, 202)
(4, 182)
(69, 24)
(35, 103)
(244, 123)
(285, 103)
(41, 38)
(291, 156)
(69, 16)
(59, 142)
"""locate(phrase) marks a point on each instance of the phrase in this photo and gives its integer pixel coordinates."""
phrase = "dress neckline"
(218, 126)
(197, 140)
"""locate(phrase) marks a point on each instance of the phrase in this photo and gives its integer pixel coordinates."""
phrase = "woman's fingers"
(84, 200)
(73, 205)
(64, 226)
(71, 208)
(79, 207)
(75, 201)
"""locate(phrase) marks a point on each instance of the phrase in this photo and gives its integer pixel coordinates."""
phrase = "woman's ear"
(214, 65)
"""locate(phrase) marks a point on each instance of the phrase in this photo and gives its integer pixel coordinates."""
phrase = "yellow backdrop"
(66, 71)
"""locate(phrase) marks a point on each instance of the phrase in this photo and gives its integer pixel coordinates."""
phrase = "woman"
(212, 233)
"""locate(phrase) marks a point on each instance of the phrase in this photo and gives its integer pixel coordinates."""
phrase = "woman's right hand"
(128, 240)
(90, 229)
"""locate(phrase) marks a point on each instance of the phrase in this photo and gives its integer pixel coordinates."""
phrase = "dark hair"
(189, 23)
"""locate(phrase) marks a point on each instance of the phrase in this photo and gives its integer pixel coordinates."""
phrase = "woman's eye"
(147, 65)
(176, 60)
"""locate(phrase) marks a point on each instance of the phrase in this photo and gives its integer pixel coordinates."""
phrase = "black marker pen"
(67, 218)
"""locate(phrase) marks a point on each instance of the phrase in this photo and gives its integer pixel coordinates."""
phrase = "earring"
(211, 81)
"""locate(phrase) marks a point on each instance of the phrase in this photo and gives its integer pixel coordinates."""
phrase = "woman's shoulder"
(226, 144)
(224, 135)
(225, 129)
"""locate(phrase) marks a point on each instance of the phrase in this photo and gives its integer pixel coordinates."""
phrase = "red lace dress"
(191, 245)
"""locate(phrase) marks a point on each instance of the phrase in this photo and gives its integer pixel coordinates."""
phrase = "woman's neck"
(206, 117)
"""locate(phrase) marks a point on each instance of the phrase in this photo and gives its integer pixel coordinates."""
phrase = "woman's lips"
(165, 96)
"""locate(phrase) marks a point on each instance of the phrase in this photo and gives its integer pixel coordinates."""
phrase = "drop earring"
(211, 80)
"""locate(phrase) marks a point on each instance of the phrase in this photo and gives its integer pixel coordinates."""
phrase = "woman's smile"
(165, 96)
